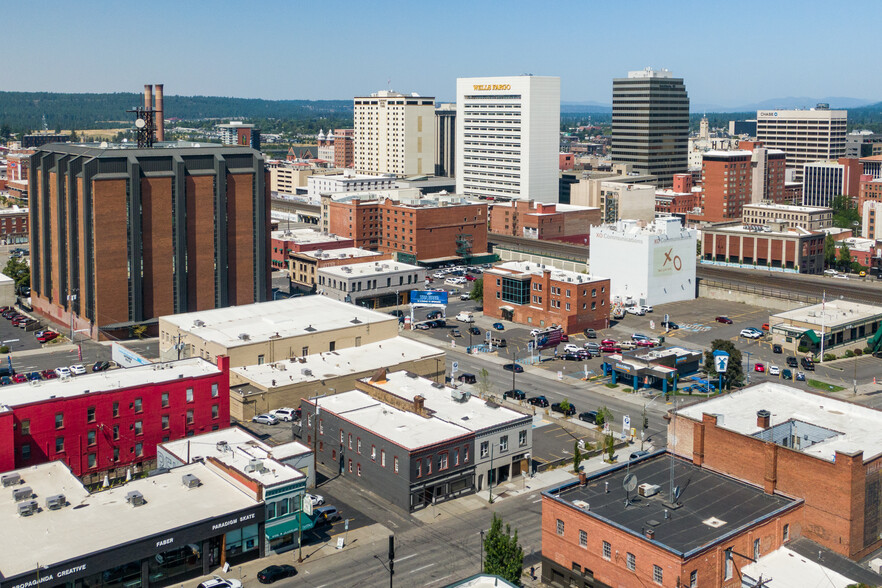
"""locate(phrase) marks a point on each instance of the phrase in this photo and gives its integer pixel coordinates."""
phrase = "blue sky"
(730, 53)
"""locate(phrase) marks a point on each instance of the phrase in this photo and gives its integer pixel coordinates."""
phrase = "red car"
(724, 319)
(47, 336)
(759, 367)
(607, 342)
(765, 326)
(470, 278)
(48, 374)
(645, 343)
(611, 349)
(19, 378)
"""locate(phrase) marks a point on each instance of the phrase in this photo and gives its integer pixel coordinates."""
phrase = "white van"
(465, 317)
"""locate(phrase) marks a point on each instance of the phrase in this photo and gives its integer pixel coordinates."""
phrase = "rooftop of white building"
(106, 381)
(448, 404)
(369, 268)
(536, 269)
(401, 427)
(738, 227)
(792, 570)
(788, 207)
(350, 176)
(262, 321)
(831, 314)
(169, 504)
(307, 236)
(333, 364)
(669, 227)
(824, 425)
(339, 253)
(235, 448)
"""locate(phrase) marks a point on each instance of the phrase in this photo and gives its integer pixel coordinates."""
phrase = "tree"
(603, 415)
(139, 331)
(19, 270)
(73, 136)
(734, 373)
(477, 293)
(503, 556)
(845, 212)
(483, 384)
(577, 456)
(829, 251)
(844, 256)
(609, 443)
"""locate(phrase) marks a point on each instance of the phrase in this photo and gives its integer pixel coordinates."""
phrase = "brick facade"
(543, 221)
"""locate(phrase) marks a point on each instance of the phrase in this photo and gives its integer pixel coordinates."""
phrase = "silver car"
(265, 419)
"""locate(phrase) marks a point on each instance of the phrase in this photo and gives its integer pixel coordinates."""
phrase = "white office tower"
(394, 134)
(508, 137)
(804, 135)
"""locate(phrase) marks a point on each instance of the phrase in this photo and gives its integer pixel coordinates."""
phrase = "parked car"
(467, 378)
(589, 416)
(571, 348)
(591, 333)
(800, 376)
(423, 327)
(265, 419)
(499, 326)
(48, 374)
(100, 366)
(286, 414)
(34, 376)
(62, 372)
(774, 370)
(638, 336)
(498, 342)
(535, 332)
(455, 333)
(750, 334)
(611, 349)
(270, 574)
(626, 345)
(47, 336)
(539, 401)
(19, 378)
(759, 367)
(433, 315)
(316, 499)
(515, 394)
(807, 363)
(638, 454)
(645, 308)
(464, 296)
(608, 342)
(475, 331)
(570, 410)
(786, 374)
(513, 367)
(791, 361)
(327, 514)
(765, 326)
(777, 348)
(636, 310)
(78, 369)
(671, 326)
(574, 357)
(6, 381)
(218, 582)
(645, 343)
(724, 319)
(592, 346)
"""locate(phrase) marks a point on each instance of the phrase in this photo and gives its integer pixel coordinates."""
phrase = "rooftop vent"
(135, 498)
(311, 329)
(198, 323)
(190, 481)
(56, 502)
(244, 336)
(581, 504)
(22, 493)
(714, 522)
(10, 479)
(27, 508)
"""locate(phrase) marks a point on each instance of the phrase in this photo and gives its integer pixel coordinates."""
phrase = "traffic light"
(645, 422)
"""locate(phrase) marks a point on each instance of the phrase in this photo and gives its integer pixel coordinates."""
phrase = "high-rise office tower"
(508, 137)
(445, 140)
(650, 123)
(804, 135)
(394, 134)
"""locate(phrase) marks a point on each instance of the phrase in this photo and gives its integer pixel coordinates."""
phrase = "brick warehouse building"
(543, 221)
(538, 295)
(771, 246)
(107, 422)
(201, 239)
(824, 451)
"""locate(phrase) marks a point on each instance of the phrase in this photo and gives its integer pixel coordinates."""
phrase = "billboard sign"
(549, 338)
(666, 260)
(126, 357)
(434, 297)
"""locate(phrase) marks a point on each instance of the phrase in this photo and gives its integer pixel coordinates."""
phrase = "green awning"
(276, 530)
(813, 337)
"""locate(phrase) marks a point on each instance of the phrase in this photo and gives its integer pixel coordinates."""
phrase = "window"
(607, 550)
(59, 444)
(442, 461)
(456, 457)
(657, 574)
(138, 406)
(165, 421)
(786, 535)
(59, 420)
(304, 351)
(522, 438)
(560, 527)
(395, 464)
(116, 454)
(116, 432)
(350, 440)
(189, 394)
(503, 443)
(358, 469)
(26, 451)
(260, 359)
(92, 460)
(322, 430)
(116, 409)
(90, 414)
(165, 400)
(419, 468)
(583, 538)
(90, 438)
(26, 427)
(631, 562)
(728, 561)
(383, 457)
(428, 465)
(350, 466)
(214, 390)
(465, 456)
(756, 549)
(358, 445)
(485, 448)
(373, 453)
(693, 579)
(189, 417)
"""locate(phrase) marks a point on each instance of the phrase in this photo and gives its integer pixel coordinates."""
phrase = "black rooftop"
(704, 495)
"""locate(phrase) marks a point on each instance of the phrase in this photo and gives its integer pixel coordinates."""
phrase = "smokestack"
(148, 96)
(762, 419)
(159, 117)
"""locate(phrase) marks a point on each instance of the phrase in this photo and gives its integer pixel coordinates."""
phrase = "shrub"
(829, 357)
(4, 348)
(849, 353)
(858, 351)
(802, 349)
(867, 351)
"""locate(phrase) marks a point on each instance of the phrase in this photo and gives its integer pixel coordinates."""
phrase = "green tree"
(734, 373)
(483, 384)
(577, 456)
(503, 556)
(844, 256)
(603, 415)
(609, 443)
(477, 293)
(829, 251)
(139, 331)
(5, 131)
(845, 213)
(18, 269)
(73, 136)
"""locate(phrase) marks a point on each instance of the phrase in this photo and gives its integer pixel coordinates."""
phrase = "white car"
(464, 296)
(439, 275)
(751, 334)
(646, 308)
(774, 370)
(284, 414)
(218, 582)
(62, 372)
(830, 272)
(570, 348)
(635, 310)
(535, 332)
(316, 499)
(265, 419)
(78, 369)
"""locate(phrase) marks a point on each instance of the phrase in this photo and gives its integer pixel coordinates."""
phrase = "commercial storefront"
(654, 368)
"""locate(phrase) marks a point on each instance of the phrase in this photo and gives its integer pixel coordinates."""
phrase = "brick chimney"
(762, 419)
(650, 534)
(419, 404)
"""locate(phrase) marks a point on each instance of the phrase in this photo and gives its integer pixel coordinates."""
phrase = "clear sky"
(730, 53)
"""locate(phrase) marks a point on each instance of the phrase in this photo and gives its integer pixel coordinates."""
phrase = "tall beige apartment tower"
(395, 134)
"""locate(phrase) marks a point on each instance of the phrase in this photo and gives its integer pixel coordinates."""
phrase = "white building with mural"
(647, 263)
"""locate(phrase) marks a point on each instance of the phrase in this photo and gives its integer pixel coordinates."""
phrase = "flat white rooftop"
(333, 364)
(235, 448)
(52, 536)
(471, 413)
(788, 207)
(263, 320)
(831, 314)
(341, 253)
(529, 267)
(115, 379)
(307, 236)
(846, 427)
(403, 428)
(731, 153)
(369, 268)
(740, 228)
(791, 570)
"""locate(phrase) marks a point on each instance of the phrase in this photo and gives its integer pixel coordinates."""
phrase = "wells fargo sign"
(480, 87)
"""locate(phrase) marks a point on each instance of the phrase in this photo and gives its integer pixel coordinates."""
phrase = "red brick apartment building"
(540, 296)
(198, 239)
(413, 232)
(14, 225)
(680, 199)
(344, 148)
(824, 451)
(543, 221)
(300, 240)
(597, 534)
(101, 424)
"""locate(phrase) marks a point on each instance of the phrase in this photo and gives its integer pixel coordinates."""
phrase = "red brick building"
(731, 179)
(540, 296)
(870, 191)
(14, 225)
(822, 450)
(680, 199)
(104, 423)
(344, 148)
(597, 534)
(543, 221)
(300, 240)
(440, 230)
(754, 247)
(567, 161)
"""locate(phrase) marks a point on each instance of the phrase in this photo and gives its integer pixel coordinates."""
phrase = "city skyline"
(309, 51)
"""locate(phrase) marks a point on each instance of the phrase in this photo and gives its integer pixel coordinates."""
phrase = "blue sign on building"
(428, 297)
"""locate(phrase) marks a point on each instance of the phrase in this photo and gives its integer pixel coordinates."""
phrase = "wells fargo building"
(120, 237)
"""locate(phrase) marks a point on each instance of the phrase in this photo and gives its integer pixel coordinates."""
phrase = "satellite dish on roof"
(630, 482)
(677, 491)
(140, 123)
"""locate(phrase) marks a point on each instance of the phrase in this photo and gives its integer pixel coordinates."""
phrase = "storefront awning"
(289, 526)
(813, 337)
(511, 308)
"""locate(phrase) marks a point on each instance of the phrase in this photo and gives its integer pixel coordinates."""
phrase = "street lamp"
(643, 431)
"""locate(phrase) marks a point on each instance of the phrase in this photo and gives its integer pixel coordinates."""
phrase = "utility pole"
(482, 552)
(492, 472)
(391, 558)
(748, 366)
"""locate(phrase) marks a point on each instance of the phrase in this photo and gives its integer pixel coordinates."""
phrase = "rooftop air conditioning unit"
(22, 493)
(190, 481)
(198, 323)
(56, 502)
(222, 446)
(306, 372)
(244, 336)
(254, 465)
(135, 498)
(648, 490)
(10, 479)
(27, 508)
